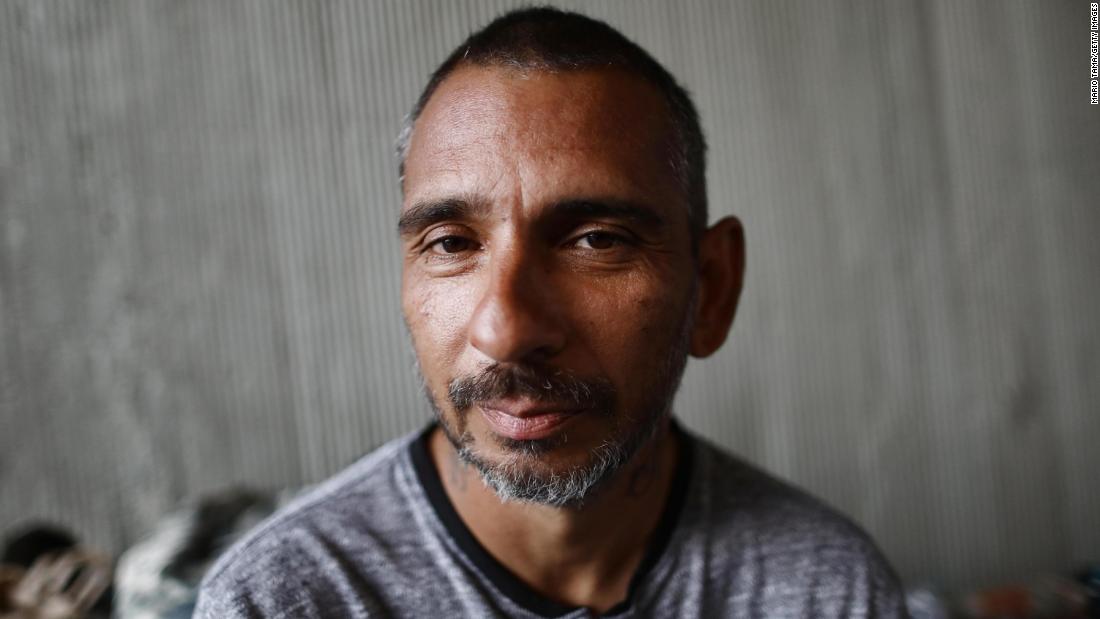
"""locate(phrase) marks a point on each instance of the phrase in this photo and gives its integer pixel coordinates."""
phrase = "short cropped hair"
(548, 39)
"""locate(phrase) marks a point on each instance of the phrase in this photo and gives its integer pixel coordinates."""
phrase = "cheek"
(437, 313)
(626, 324)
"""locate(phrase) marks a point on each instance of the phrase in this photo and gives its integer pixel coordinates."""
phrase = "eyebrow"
(424, 214)
(430, 212)
(634, 212)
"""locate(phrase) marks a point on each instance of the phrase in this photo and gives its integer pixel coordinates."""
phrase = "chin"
(564, 470)
(540, 474)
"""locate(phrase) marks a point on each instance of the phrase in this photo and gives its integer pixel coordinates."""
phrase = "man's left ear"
(721, 271)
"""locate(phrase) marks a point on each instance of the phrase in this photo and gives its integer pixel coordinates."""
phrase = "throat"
(584, 556)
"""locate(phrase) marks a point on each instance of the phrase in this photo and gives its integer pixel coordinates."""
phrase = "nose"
(518, 317)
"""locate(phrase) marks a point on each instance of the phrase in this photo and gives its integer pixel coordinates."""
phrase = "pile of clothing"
(46, 574)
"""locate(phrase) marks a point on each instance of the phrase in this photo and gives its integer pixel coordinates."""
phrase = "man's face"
(548, 277)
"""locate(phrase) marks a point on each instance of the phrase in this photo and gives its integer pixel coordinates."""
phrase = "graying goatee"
(520, 476)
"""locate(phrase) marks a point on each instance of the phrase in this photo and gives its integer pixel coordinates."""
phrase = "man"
(557, 272)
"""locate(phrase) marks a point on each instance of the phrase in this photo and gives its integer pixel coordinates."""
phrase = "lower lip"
(526, 428)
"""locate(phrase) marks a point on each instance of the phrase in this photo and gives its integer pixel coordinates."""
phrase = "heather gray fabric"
(370, 543)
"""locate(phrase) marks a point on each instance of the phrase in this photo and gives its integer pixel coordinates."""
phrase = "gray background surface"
(199, 269)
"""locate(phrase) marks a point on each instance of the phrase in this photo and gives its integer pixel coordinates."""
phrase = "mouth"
(526, 420)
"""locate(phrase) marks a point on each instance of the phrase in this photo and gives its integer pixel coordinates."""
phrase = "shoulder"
(744, 504)
(297, 561)
(802, 551)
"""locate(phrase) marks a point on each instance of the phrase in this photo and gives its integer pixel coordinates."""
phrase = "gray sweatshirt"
(381, 539)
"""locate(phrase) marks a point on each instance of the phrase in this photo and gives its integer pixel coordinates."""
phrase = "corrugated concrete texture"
(199, 269)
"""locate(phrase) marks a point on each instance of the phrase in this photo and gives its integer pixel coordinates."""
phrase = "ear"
(721, 270)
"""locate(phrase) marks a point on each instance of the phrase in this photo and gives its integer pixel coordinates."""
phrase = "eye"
(450, 245)
(600, 240)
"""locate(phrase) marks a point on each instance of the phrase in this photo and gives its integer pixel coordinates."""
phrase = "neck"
(579, 556)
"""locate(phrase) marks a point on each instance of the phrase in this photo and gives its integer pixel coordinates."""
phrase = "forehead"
(581, 131)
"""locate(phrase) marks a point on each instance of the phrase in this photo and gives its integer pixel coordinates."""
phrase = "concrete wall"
(199, 269)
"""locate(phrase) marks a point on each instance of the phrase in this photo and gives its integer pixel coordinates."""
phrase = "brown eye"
(600, 240)
(451, 245)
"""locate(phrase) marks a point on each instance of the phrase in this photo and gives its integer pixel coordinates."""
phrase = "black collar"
(507, 582)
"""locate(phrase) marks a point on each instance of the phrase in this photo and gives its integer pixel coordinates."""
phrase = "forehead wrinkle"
(505, 117)
(592, 107)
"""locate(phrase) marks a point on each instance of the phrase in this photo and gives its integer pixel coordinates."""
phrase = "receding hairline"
(612, 84)
(664, 115)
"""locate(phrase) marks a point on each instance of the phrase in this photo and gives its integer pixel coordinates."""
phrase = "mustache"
(537, 383)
